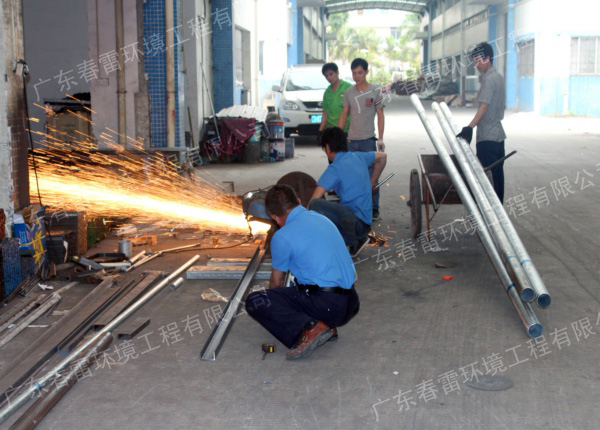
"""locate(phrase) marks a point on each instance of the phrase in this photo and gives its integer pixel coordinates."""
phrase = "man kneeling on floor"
(304, 316)
(348, 176)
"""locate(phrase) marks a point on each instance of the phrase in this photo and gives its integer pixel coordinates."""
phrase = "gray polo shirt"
(363, 108)
(491, 92)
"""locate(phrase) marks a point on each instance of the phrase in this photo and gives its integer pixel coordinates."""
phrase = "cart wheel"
(416, 210)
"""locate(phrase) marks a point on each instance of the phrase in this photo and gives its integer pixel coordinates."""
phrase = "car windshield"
(301, 80)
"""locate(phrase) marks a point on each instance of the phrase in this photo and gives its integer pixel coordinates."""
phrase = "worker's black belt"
(315, 288)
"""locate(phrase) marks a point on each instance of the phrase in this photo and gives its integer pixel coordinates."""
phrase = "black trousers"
(284, 311)
(489, 152)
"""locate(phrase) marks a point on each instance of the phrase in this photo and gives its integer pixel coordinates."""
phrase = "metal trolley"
(435, 188)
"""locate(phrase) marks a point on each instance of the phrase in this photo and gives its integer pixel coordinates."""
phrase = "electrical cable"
(28, 124)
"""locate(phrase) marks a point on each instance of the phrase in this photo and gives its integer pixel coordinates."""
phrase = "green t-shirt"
(333, 104)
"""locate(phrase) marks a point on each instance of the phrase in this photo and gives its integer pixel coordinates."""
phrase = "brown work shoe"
(309, 341)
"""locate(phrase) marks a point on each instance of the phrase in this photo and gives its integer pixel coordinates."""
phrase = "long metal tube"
(121, 87)
(170, 57)
(543, 298)
(43, 405)
(217, 336)
(504, 246)
(48, 304)
(13, 405)
(524, 311)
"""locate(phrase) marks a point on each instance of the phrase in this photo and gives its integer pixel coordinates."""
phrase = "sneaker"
(334, 336)
(309, 341)
(355, 249)
(376, 215)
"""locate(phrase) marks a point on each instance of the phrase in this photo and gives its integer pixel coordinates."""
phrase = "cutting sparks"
(133, 183)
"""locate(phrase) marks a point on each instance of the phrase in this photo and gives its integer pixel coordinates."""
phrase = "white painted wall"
(102, 39)
(552, 24)
(452, 44)
(245, 16)
(198, 53)
(527, 18)
(273, 30)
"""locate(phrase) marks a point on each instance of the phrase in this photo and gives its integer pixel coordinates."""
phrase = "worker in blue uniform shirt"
(304, 316)
(348, 175)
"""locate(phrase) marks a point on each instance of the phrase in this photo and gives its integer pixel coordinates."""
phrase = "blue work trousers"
(285, 311)
(349, 225)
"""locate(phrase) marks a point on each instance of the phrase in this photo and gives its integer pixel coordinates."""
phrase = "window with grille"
(585, 56)
(526, 58)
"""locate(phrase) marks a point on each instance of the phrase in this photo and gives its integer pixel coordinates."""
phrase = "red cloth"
(235, 132)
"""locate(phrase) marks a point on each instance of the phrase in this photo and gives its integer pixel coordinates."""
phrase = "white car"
(299, 99)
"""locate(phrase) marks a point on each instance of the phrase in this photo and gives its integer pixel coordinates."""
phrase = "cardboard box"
(62, 126)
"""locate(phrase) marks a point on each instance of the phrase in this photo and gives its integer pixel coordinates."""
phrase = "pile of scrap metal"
(506, 251)
(439, 88)
(84, 332)
(408, 87)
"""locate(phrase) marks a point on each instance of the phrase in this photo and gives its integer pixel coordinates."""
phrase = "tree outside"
(398, 52)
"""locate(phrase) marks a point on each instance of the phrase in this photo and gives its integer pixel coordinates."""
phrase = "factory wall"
(274, 37)
(14, 179)
(56, 46)
(223, 51)
(198, 60)
(246, 64)
(103, 53)
(532, 40)
(155, 31)
(558, 88)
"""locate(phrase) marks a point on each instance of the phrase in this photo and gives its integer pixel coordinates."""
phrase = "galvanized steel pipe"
(504, 246)
(16, 403)
(524, 311)
(43, 405)
(543, 298)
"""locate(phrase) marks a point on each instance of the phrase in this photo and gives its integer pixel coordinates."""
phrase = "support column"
(14, 171)
(296, 49)
(511, 57)
(222, 44)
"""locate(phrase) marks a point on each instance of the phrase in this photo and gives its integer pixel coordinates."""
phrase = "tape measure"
(267, 348)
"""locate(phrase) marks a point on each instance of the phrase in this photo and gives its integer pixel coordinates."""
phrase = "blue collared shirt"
(311, 247)
(349, 177)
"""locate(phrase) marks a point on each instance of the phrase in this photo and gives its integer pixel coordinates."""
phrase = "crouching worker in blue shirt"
(304, 316)
(348, 176)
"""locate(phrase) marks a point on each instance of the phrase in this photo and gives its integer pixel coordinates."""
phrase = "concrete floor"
(401, 363)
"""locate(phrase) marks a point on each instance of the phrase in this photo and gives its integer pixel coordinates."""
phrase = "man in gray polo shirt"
(363, 102)
(492, 102)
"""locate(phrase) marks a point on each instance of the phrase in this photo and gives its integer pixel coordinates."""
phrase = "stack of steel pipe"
(542, 297)
(494, 239)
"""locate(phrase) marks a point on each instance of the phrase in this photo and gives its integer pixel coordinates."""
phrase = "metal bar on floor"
(28, 393)
(220, 331)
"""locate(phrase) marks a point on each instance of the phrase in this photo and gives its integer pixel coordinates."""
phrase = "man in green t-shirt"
(333, 99)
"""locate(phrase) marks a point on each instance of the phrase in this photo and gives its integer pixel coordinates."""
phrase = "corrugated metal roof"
(334, 6)
(244, 111)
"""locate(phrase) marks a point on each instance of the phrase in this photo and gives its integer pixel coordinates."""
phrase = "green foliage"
(336, 21)
(391, 53)
(381, 77)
